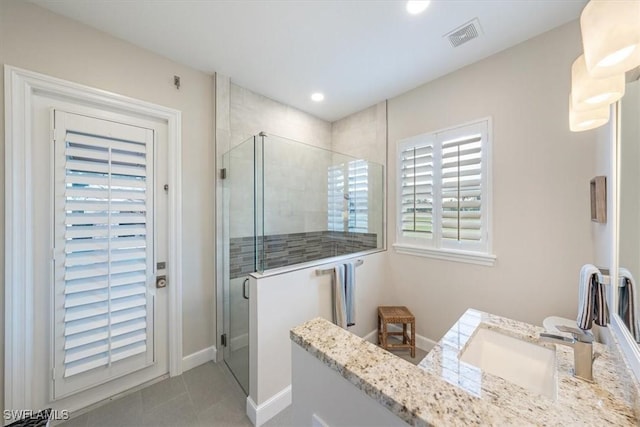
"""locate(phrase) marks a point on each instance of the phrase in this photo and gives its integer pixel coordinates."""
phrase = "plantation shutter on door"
(103, 251)
(416, 187)
(461, 188)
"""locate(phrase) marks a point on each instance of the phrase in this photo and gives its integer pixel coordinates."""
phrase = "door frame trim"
(20, 87)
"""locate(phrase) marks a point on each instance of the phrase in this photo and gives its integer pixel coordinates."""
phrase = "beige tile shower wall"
(39, 40)
(363, 135)
(295, 187)
(251, 113)
(295, 174)
(541, 171)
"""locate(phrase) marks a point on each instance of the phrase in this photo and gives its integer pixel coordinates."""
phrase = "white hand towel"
(586, 296)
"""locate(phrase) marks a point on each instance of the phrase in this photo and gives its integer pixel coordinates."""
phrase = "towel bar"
(603, 277)
(321, 271)
(606, 278)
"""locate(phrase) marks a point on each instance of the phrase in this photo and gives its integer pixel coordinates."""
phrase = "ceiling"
(356, 52)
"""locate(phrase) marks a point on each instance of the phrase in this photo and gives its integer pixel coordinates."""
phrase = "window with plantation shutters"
(103, 251)
(348, 196)
(444, 195)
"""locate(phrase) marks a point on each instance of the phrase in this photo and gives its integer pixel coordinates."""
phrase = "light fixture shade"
(588, 93)
(611, 36)
(589, 119)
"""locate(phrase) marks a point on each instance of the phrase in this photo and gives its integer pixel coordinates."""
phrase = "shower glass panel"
(239, 205)
(316, 204)
(287, 203)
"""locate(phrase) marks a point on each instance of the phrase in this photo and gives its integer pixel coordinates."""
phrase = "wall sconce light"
(589, 119)
(588, 93)
(611, 36)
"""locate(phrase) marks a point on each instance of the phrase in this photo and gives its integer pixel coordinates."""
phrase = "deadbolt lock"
(161, 281)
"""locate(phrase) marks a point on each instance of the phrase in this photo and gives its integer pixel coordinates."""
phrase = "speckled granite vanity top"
(442, 390)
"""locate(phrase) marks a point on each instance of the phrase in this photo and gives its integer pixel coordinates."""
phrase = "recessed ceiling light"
(415, 7)
(317, 97)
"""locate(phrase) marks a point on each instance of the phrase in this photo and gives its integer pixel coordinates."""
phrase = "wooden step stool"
(396, 314)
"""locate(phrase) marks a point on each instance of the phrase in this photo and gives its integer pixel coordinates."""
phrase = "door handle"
(161, 282)
(244, 288)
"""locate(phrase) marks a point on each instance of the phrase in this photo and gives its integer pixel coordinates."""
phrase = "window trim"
(433, 247)
(444, 254)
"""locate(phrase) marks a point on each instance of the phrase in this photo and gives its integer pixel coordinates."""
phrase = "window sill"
(446, 254)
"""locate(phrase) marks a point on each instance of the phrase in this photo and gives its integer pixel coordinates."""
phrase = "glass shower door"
(240, 256)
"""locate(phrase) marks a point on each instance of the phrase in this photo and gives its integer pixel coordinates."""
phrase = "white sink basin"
(523, 363)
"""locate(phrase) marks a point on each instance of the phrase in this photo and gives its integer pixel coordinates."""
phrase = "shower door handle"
(244, 288)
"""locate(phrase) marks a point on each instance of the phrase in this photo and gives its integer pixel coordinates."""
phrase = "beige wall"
(38, 40)
(602, 234)
(541, 225)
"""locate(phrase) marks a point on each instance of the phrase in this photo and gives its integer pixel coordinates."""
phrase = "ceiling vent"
(463, 34)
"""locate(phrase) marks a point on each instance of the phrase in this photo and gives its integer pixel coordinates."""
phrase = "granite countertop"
(442, 390)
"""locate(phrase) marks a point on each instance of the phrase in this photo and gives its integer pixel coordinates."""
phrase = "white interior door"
(106, 322)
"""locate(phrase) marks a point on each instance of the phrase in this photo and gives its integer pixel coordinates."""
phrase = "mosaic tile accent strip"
(288, 249)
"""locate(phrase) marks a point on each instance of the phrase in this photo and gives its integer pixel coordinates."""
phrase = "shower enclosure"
(287, 203)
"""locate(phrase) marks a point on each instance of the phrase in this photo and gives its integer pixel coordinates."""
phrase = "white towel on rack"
(627, 303)
(350, 292)
(339, 296)
(592, 303)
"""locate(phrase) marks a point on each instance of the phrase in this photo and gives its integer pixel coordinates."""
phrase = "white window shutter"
(104, 252)
(417, 190)
(462, 189)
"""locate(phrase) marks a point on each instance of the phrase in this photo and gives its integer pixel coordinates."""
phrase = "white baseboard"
(422, 343)
(199, 358)
(425, 343)
(372, 337)
(238, 342)
(260, 414)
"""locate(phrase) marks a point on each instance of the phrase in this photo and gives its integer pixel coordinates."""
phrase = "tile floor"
(204, 396)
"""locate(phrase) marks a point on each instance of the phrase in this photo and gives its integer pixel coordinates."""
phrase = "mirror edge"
(628, 345)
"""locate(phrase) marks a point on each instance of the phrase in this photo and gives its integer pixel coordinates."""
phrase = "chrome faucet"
(582, 343)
